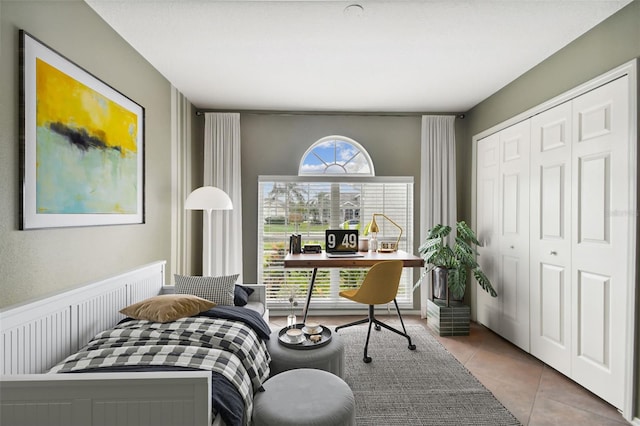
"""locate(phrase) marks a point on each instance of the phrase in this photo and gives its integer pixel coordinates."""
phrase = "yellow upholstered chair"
(379, 286)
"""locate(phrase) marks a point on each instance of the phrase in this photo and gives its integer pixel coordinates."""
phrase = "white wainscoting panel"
(37, 335)
(106, 399)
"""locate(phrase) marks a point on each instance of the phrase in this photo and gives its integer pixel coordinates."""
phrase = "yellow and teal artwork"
(83, 146)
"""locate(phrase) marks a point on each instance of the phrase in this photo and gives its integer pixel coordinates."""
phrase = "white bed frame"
(37, 335)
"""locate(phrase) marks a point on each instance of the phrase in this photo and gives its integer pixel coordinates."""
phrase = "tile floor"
(535, 393)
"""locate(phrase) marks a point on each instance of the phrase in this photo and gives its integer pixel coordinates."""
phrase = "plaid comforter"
(223, 346)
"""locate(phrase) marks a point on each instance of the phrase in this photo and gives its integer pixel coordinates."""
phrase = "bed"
(42, 343)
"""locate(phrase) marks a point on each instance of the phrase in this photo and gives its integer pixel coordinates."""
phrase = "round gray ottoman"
(307, 397)
(329, 357)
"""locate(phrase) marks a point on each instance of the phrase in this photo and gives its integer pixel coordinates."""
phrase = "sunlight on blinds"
(308, 205)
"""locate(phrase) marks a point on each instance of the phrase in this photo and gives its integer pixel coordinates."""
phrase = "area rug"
(428, 386)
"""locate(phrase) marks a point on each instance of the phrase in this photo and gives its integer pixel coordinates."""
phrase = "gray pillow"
(241, 295)
(216, 289)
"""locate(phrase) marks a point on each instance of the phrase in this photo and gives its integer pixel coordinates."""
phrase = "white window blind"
(308, 205)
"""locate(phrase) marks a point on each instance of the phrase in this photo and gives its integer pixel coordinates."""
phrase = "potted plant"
(453, 263)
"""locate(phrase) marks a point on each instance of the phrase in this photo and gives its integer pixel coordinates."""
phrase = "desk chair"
(379, 286)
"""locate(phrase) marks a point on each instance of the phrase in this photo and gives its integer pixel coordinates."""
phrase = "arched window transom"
(336, 155)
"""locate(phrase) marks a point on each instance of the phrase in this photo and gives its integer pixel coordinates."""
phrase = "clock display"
(337, 240)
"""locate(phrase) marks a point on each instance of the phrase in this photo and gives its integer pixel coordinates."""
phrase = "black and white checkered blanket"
(230, 348)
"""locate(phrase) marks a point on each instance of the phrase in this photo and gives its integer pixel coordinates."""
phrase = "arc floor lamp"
(208, 199)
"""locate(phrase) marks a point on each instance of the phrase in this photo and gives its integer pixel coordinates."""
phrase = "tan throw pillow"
(167, 307)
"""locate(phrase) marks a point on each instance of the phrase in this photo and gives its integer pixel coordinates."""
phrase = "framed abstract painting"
(82, 145)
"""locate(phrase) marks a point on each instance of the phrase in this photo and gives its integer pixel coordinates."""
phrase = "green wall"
(274, 145)
(35, 263)
(614, 42)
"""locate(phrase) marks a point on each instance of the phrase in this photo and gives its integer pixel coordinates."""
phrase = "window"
(335, 188)
(336, 155)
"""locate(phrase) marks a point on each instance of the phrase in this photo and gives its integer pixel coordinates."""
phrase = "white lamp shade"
(208, 198)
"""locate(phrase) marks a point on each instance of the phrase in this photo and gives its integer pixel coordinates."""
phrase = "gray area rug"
(428, 386)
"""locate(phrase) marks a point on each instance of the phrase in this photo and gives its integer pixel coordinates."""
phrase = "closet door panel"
(601, 218)
(509, 300)
(552, 309)
(552, 197)
(511, 204)
(594, 313)
(594, 186)
(550, 259)
(487, 190)
(514, 237)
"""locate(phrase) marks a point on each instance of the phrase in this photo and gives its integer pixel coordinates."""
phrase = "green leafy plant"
(458, 260)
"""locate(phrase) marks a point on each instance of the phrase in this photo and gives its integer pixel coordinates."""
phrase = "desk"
(320, 260)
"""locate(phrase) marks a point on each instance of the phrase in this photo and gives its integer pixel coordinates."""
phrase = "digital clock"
(341, 240)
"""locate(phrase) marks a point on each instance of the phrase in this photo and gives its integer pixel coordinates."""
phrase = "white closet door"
(514, 233)
(487, 227)
(550, 244)
(601, 214)
(503, 228)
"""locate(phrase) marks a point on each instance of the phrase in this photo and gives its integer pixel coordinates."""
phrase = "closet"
(556, 207)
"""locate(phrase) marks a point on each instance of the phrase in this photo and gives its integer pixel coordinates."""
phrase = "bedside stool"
(329, 357)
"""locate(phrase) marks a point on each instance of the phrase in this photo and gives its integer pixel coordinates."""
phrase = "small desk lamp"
(208, 198)
(374, 229)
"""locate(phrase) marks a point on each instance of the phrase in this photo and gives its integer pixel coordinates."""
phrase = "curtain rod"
(277, 112)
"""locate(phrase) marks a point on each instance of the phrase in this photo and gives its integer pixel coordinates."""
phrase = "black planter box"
(452, 320)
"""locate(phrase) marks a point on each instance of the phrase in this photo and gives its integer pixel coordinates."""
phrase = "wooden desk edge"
(320, 260)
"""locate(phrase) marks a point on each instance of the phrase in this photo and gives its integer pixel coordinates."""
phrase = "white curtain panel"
(222, 170)
(181, 135)
(437, 181)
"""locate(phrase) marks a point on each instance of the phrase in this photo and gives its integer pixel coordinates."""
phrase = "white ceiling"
(392, 56)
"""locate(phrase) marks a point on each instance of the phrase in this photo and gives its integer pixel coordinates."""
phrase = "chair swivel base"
(372, 320)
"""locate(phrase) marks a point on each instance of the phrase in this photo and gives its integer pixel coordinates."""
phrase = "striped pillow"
(216, 289)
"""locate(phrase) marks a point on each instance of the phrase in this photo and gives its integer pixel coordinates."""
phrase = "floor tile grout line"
(584, 410)
(577, 407)
(536, 395)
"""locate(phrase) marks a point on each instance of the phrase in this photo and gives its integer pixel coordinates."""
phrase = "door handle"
(553, 253)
